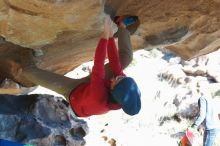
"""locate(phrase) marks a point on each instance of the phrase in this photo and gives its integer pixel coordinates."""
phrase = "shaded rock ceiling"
(64, 33)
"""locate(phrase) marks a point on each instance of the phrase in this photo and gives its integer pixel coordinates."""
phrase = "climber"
(99, 96)
(207, 114)
(101, 92)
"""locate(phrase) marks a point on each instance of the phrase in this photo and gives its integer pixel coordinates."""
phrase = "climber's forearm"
(125, 51)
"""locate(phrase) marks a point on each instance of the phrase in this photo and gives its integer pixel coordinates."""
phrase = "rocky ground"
(169, 99)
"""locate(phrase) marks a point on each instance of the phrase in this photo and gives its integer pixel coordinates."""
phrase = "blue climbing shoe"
(131, 23)
(130, 20)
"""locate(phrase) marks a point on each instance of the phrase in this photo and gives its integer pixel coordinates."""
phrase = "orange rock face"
(66, 31)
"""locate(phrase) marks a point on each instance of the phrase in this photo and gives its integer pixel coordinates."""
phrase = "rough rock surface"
(64, 33)
(43, 120)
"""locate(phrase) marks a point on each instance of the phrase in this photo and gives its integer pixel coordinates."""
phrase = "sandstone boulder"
(63, 33)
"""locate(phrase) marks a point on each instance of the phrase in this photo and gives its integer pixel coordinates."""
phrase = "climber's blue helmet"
(127, 93)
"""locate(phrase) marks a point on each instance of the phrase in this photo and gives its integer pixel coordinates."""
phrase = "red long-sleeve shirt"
(93, 98)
